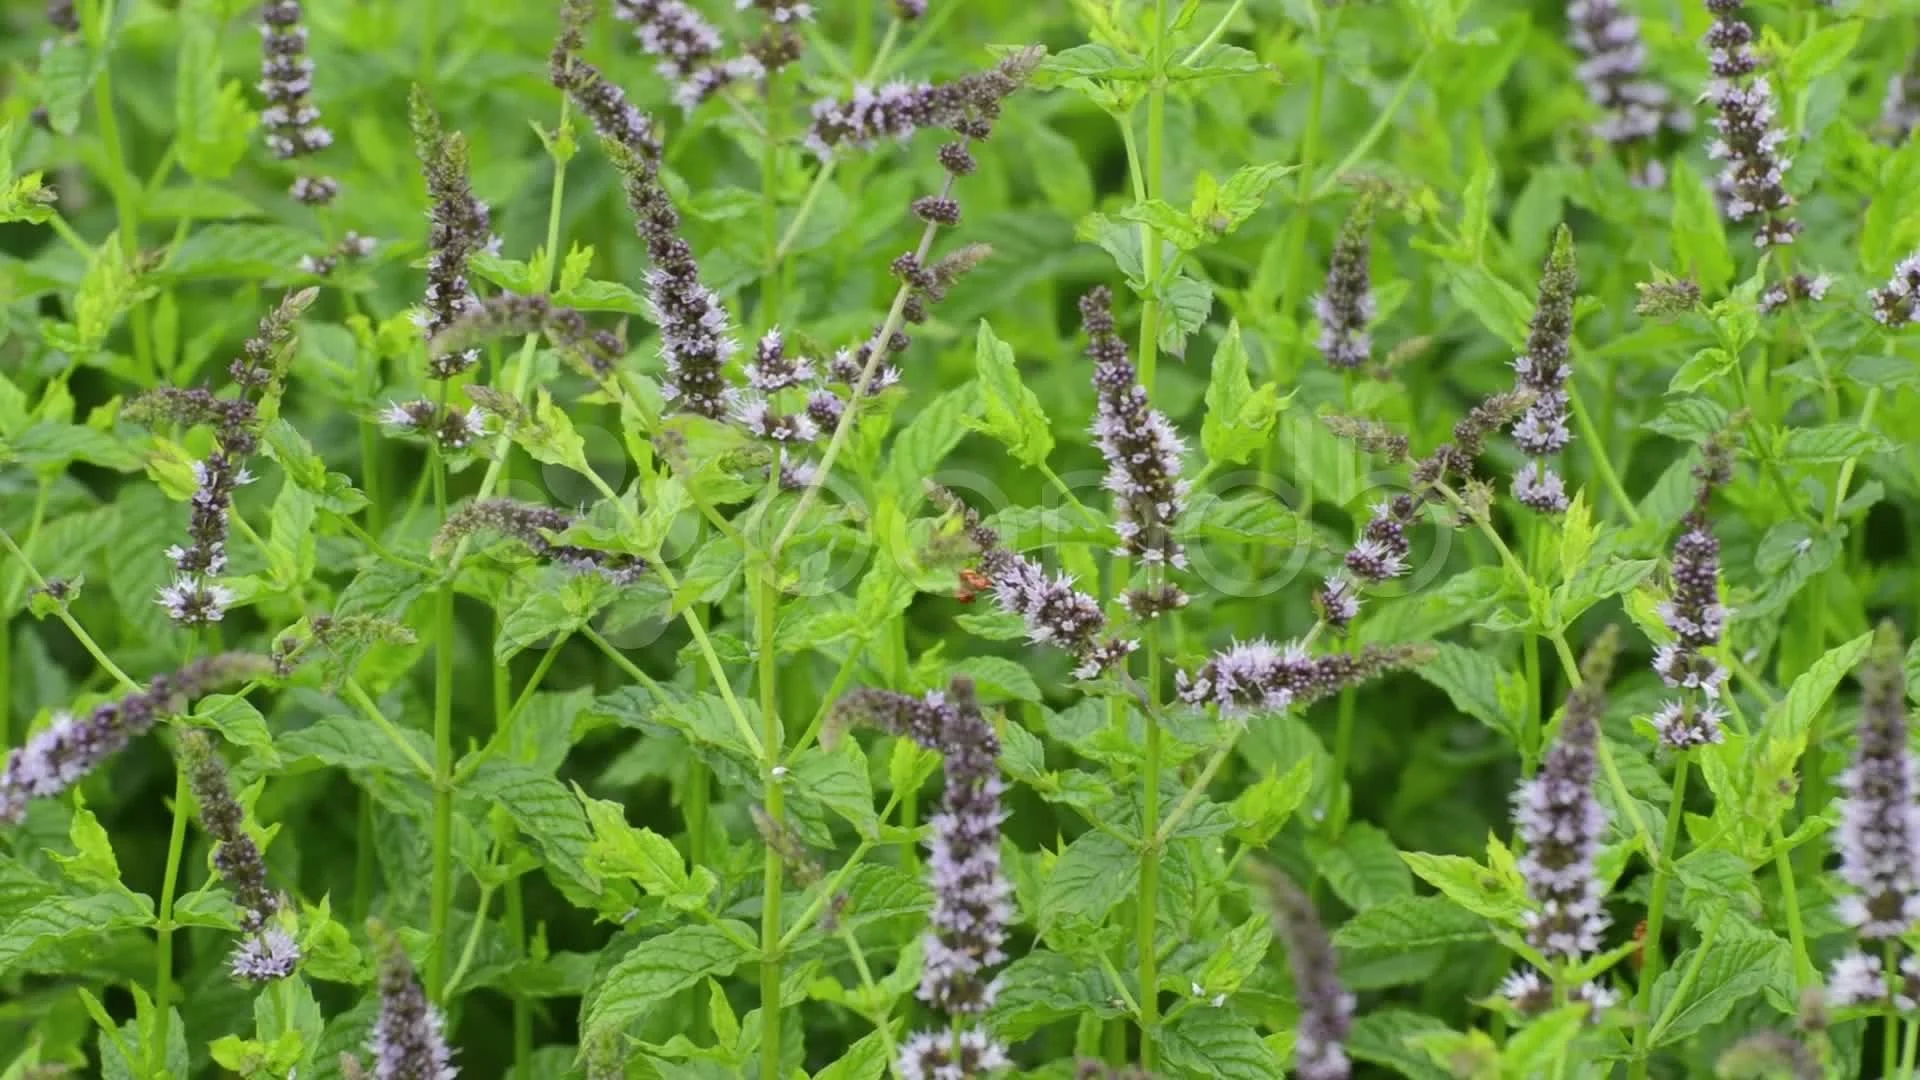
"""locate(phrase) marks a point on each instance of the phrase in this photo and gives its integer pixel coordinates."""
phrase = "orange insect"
(971, 583)
(1639, 957)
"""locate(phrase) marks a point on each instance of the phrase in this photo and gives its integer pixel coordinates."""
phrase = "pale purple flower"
(1895, 303)
(454, 428)
(1695, 615)
(772, 370)
(942, 1055)
(972, 897)
(1900, 107)
(1560, 821)
(58, 756)
(531, 526)
(268, 955)
(460, 225)
(1142, 450)
(1541, 373)
(408, 1041)
(1345, 307)
(1751, 183)
(1879, 834)
(1258, 675)
(291, 121)
(896, 110)
(686, 48)
(1326, 1007)
(1793, 289)
(1612, 69)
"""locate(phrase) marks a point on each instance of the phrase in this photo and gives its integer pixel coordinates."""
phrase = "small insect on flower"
(972, 583)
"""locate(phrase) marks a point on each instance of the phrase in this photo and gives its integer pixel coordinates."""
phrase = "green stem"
(124, 209)
(1681, 992)
(1187, 802)
(163, 928)
(1597, 453)
(882, 1024)
(1378, 129)
(506, 709)
(1146, 936)
(1342, 810)
(770, 202)
(473, 937)
(1154, 187)
(442, 787)
(1536, 723)
(1656, 914)
(66, 618)
(774, 871)
(1890, 1021)
(1790, 902)
(824, 177)
(1909, 1050)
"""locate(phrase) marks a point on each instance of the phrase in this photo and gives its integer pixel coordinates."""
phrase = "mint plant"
(930, 540)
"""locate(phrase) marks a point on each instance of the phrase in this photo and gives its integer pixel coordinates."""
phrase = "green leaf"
(212, 124)
(1217, 1043)
(1009, 411)
(998, 678)
(642, 856)
(1168, 223)
(1823, 51)
(659, 968)
(355, 744)
(1790, 719)
(1699, 239)
(864, 1060)
(1702, 368)
(1415, 922)
(1185, 303)
(1239, 418)
(1498, 306)
(61, 919)
(839, 780)
(1533, 1050)
(1363, 867)
(1387, 1037)
(1489, 892)
(1477, 684)
(238, 251)
(239, 723)
(545, 810)
(1727, 973)
(1831, 443)
(926, 441)
(1089, 62)
(1043, 987)
(93, 865)
(67, 72)
(1092, 875)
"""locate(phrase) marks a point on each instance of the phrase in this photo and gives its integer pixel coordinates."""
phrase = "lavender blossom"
(452, 428)
(351, 248)
(686, 48)
(530, 525)
(1326, 1007)
(62, 754)
(1751, 183)
(1055, 612)
(408, 1040)
(1560, 821)
(1345, 307)
(1142, 449)
(1900, 108)
(1897, 303)
(772, 370)
(594, 352)
(1258, 675)
(269, 952)
(605, 104)
(1879, 835)
(909, 10)
(460, 227)
(969, 105)
(1542, 372)
(696, 338)
(1613, 59)
(971, 896)
(62, 16)
(1793, 289)
(1770, 1053)
(1695, 614)
(941, 1055)
(286, 81)
(192, 598)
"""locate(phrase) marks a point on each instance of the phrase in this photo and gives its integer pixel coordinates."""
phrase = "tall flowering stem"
(1326, 1006)
(291, 121)
(1752, 181)
(1541, 372)
(409, 1040)
(1633, 108)
(194, 598)
(1141, 448)
(1879, 836)
(269, 951)
(972, 906)
(1345, 306)
(1558, 818)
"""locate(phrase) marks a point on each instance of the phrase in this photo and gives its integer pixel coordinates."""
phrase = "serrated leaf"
(657, 969)
(1239, 418)
(353, 743)
(1092, 875)
(61, 919)
(1042, 987)
(544, 810)
(1473, 680)
(1217, 1043)
(998, 678)
(1699, 239)
(1728, 973)
(1009, 411)
(1414, 922)
(1790, 719)
(1486, 891)
(1363, 868)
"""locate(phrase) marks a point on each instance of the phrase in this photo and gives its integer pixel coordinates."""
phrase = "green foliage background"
(174, 235)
